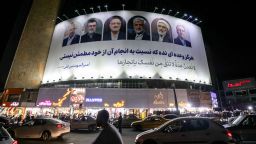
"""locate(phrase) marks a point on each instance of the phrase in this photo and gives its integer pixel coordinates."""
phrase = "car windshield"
(237, 120)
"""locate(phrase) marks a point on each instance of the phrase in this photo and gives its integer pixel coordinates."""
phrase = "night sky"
(228, 30)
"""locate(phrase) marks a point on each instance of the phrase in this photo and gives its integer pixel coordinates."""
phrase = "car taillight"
(229, 134)
(15, 142)
(59, 126)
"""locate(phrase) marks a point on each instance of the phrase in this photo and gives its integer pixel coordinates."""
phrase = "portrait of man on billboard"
(181, 39)
(161, 31)
(115, 29)
(93, 29)
(138, 28)
(70, 36)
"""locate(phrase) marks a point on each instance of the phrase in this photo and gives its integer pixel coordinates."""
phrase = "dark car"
(127, 121)
(5, 121)
(243, 128)
(170, 116)
(5, 137)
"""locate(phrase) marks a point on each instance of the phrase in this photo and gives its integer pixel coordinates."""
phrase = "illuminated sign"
(119, 104)
(77, 99)
(97, 100)
(238, 84)
(45, 103)
(15, 104)
(83, 56)
(159, 99)
(64, 97)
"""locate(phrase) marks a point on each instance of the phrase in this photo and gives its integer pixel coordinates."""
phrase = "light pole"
(175, 99)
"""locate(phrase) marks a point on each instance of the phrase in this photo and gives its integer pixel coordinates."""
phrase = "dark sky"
(228, 30)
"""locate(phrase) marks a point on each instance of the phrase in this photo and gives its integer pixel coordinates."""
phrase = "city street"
(82, 137)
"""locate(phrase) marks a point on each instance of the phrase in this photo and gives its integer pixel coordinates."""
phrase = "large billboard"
(127, 44)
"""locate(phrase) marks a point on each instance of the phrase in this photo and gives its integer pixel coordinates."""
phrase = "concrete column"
(30, 58)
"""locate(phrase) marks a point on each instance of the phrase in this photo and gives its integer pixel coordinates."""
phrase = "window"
(194, 125)
(229, 93)
(252, 91)
(241, 93)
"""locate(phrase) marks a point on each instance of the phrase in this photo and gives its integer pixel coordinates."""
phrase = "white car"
(5, 137)
(186, 130)
(44, 128)
(86, 122)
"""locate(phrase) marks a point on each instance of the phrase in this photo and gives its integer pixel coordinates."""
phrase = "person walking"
(120, 119)
(109, 134)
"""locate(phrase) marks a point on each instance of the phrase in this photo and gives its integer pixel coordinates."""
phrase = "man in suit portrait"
(91, 34)
(181, 38)
(162, 34)
(114, 29)
(138, 30)
(72, 37)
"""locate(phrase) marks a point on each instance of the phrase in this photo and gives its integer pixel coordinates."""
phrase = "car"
(85, 122)
(148, 123)
(170, 116)
(127, 121)
(6, 122)
(186, 130)
(5, 137)
(44, 128)
(243, 128)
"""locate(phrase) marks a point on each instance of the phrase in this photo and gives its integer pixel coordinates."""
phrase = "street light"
(175, 98)
(77, 12)
(184, 15)
(155, 9)
(99, 8)
(162, 10)
(189, 18)
(92, 9)
(169, 11)
(106, 7)
(123, 5)
(65, 16)
(59, 18)
(177, 13)
(199, 22)
(84, 11)
(196, 19)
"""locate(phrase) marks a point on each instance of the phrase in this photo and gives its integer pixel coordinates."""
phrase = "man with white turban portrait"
(163, 32)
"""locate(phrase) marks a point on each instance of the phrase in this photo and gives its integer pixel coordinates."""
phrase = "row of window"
(241, 92)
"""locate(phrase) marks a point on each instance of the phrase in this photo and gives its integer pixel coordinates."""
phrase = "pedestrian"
(109, 134)
(120, 119)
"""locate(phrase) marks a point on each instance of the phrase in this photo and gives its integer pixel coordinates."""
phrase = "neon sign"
(45, 103)
(238, 84)
(77, 99)
(98, 100)
(119, 104)
(14, 104)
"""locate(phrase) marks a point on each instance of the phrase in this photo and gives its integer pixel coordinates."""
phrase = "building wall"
(30, 58)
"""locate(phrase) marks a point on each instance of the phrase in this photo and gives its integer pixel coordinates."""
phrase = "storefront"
(141, 102)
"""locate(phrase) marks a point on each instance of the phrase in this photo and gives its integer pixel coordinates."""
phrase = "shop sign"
(77, 99)
(119, 104)
(92, 100)
(14, 104)
(10, 104)
(159, 99)
(45, 103)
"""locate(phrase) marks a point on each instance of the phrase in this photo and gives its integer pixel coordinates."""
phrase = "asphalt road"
(81, 137)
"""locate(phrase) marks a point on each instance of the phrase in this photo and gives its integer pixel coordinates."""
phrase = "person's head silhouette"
(102, 118)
